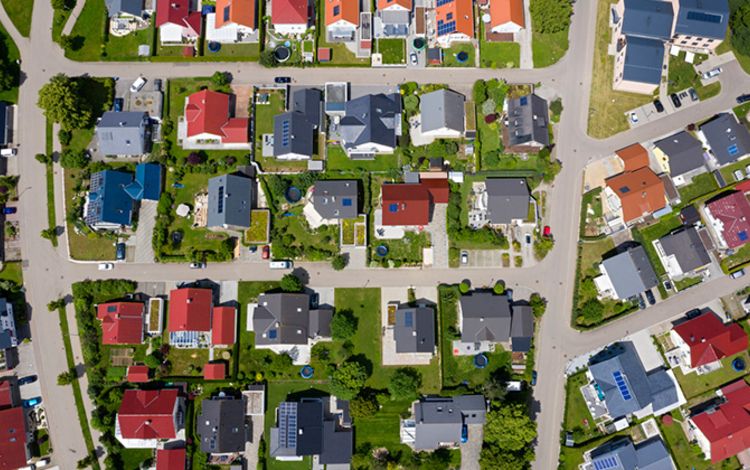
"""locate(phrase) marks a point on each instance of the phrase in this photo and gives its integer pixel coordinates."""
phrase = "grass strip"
(51, 222)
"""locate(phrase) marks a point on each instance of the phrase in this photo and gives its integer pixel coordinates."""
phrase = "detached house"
(682, 252)
(455, 21)
(723, 430)
(371, 125)
(700, 25)
(410, 204)
(147, 417)
(414, 331)
(291, 16)
(620, 453)
(122, 322)
(230, 202)
(633, 195)
(393, 18)
(336, 199)
(234, 21)
(15, 437)
(342, 19)
(221, 426)
(681, 156)
(124, 8)
(294, 131)
(626, 275)
(171, 459)
(209, 123)
(704, 341)
(506, 16)
(508, 200)
(728, 139)
(124, 133)
(526, 126)
(486, 319)
(176, 23)
(729, 218)
(442, 114)
(438, 421)
(190, 313)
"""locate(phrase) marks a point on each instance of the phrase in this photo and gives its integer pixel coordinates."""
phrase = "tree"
(348, 379)
(63, 102)
(8, 74)
(220, 79)
(496, 386)
(267, 58)
(66, 42)
(464, 287)
(405, 383)
(510, 428)
(542, 246)
(152, 361)
(55, 305)
(67, 377)
(343, 324)
(72, 159)
(592, 311)
(43, 158)
(739, 23)
(494, 458)
(364, 406)
(499, 288)
(291, 283)
(550, 16)
(538, 304)
(339, 262)
(61, 4)
(48, 233)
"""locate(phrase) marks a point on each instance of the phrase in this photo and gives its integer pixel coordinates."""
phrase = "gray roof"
(292, 133)
(439, 419)
(414, 331)
(507, 200)
(485, 317)
(221, 426)
(703, 18)
(371, 119)
(630, 272)
(648, 19)
(131, 7)
(685, 152)
(229, 201)
(528, 121)
(687, 247)
(286, 318)
(729, 140)
(122, 133)
(621, 362)
(442, 109)
(621, 454)
(308, 102)
(336, 199)
(395, 22)
(521, 328)
(644, 58)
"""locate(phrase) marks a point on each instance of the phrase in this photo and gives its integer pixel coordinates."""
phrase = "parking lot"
(648, 113)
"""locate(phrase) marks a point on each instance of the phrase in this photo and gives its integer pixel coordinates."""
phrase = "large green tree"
(62, 102)
(510, 428)
(348, 379)
(291, 283)
(344, 324)
(405, 383)
(740, 25)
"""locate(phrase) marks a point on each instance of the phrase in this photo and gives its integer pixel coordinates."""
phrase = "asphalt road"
(48, 273)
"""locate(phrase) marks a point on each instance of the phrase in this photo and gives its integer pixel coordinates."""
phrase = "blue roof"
(703, 18)
(148, 177)
(648, 19)
(644, 59)
(108, 201)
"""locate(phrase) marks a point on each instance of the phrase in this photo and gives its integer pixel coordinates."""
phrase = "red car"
(547, 231)
(266, 252)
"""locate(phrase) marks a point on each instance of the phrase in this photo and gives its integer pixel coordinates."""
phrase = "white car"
(747, 171)
(712, 73)
(633, 118)
(413, 58)
(464, 257)
(137, 84)
(106, 266)
(738, 175)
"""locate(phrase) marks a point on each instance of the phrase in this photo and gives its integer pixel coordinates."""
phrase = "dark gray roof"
(439, 419)
(338, 444)
(229, 201)
(729, 140)
(687, 247)
(621, 454)
(122, 133)
(308, 102)
(292, 133)
(320, 322)
(507, 200)
(414, 331)
(336, 199)
(371, 119)
(485, 317)
(630, 272)
(221, 426)
(442, 109)
(644, 59)
(521, 328)
(5, 123)
(685, 152)
(528, 121)
(286, 318)
(648, 19)
(703, 18)
(131, 7)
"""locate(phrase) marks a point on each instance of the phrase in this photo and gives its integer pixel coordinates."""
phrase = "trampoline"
(381, 250)
(481, 361)
(282, 54)
(462, 57)
(306, 372)
(419, 43)
(292, 194)
(738, 364)
(214, 46)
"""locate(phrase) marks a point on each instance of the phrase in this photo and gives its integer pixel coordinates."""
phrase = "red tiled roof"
(506, 11)
(460, 11)
(190, 309)
(207, 112)
(346, 10)
(439, 189)
(727, 428)
(241, 12)
(170, 459)
(178, 12)
(223, 326)
(290, 12)
(147, 414)
(12, 439)
(6, 392)
(214, 371)
(383, 4)
(710, 340)
(733, 211)
(633, 157)
(324, 54)
(406, 204)
(138, 374)
(122, 322)
(641, 192)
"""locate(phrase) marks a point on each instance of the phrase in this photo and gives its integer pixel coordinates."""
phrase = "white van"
(137, 84)
(280, 265)
(8, 152)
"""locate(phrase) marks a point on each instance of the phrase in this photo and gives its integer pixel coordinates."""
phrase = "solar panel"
(393, 208)
(605, 463)
(742, 235)
(733, 150)
(272, 334)
(446, 28)
(285, 133)
(443, 2)
(408, 319)
(346, 202)
(705, 17)
(524, 100)
(622, 385)
(220, 208)
(288, 424)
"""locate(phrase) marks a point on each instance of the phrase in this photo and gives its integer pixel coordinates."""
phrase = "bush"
(291, 283)
(348, 379)
(538, 304)
(550, 16)
(464, 287)
(220, 79)
(592, 311)
(404, 384)
(490, 118)
(339, 262)
(364, 406)
(480, 91)
(70, 159)
(499, 288)
(64, 136)
(344, 324)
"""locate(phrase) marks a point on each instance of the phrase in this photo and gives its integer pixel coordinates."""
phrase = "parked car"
(641, 302)
(283, 79)
(743, 98)
(118, 104)
(675, 100)
(196, 265)
(533, 378)
(712, 73)
(137, 85)
(738, 175)
(528, 239)
(693, 313)
(413, 58)
(464, 257)
(120, 250)
(27, 380)
(280, 264)
(747, 170)
(106, 266)
(265, 252)
(157, 84)
(650, 297)
(633, 118)
(509, 294)
(659, 107)
(547, 232)
(32, 402)
(8, 152)
(9, 210)
(737, 274)
(693, 94)
(668, 285)
(464, 434)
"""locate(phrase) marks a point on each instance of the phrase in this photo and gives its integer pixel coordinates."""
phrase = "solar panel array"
(220, 208)
(621, 385)
(285, 133)
(443, 2)
(346, 202)
(606, 463)
(705, 17)
(733, 150)
(288, 425)
(446, 28)
(408, 319)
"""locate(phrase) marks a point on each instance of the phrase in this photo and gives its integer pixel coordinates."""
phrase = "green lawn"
(88, 32)
(42, 443)
(450, 55)
(258, 231)
(406, 251)
(728, 171)
(10, 50)
(132, 458)
(126, 47)
(687, 282)
(84, 247)
(19, 12)
(12, 272)
(314, 245)
(264, 114)
(498, 55)
(700, 185)
(337, 160)
(186, 362)
(578, 419)
(693, 384)
(682, 75)
(393, 50)
(230, 52)
(739, 259)
(685, 454)
(548, 48)
(646, 235)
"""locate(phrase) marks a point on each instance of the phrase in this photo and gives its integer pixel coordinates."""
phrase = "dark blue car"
(32, 402)
(118, 104)
(464, 434)
(9, 210)
(27, 380)
(120, 252)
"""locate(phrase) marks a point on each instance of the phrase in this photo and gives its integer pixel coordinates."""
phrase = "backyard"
(693, 385)
(700, 185)
(293, 238)
(498, 55)
(393, 50)
(337, 160)
(271, 104)
(682, 75)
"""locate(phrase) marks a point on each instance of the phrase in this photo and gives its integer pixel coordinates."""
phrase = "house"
(294, 130)
(147, 417)
(234, 21)
(6, 123)
(371, 125)
(230, 201)
(633, 157)
(680, 155)
(704, 341)
(122, 322)
(393, 18)
(682, 252)
(618, 376)
(14, 439)
(221, 425)
(633, 195)
(176, 23)
(728, 139)
(171, 459)
(336, 199)
(124, 133)
(147, 183)
(487, 319)
(224, 326)
(620, 453)
(455, 21)
(414, 331)
(138, 374)
(214, 371)
(700, 26)
(190, 313)
(410, 204)
(124, 8)
(291, 17)
(8, 334)
(10, 395)
(438, 421)
(723, 431)
(729, 218)
(342, 19)
(208, 122)
(626, 274)
(108, 206)
(316, 427)
(522, 328)
(508, 200)
(506, 16)
(526, 126)
(442, 114)
(285, 320)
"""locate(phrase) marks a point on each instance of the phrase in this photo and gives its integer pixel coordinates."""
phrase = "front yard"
(682, 75)
(578, 419)
(693, 385)
(451, 57)
(498, 55)
(404, 252)
(393, 50)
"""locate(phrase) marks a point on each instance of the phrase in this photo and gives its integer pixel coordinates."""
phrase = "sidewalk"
(73, 17)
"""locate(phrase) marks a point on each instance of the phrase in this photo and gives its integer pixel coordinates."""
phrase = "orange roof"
(640, 192)
(460, 11)
(506, 11)
(235, 11)
(633, 157)
(383, 4)
(214, 371)
(347, 10)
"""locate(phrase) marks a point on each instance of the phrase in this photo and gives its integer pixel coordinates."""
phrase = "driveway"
(439, 236)
(471, 449)
(144, 250)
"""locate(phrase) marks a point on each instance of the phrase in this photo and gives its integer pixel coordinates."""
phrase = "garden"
(682, 75)
(393, 50)
(406, 251)
(498, 55)
(550, 22)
